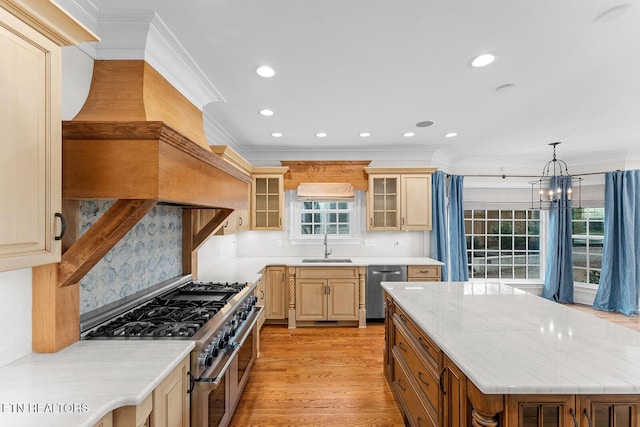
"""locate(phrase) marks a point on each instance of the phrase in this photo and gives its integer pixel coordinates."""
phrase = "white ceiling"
(380, 66)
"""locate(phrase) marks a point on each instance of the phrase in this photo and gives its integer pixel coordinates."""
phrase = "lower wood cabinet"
(275, 290)
(423, 273)
(259, 293)
(106, 421)
(327, 294)
(608, 410)
(171, 402)
(454, 390)
(540, 410)
(167, 406)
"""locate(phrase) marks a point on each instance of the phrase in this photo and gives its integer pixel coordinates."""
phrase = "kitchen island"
(490, 354)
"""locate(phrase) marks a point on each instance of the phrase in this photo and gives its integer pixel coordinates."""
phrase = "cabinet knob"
(63, 225)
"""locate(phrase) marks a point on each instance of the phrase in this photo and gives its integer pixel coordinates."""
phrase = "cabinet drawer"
(327, 273)
(424, 271)
(409, 401)
(425, 378)
(431, 351)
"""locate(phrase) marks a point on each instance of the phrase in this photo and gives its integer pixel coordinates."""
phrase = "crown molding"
(216, 134)
(87, 13)
(141, 34)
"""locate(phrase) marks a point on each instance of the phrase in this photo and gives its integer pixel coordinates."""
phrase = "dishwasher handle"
(386, 272)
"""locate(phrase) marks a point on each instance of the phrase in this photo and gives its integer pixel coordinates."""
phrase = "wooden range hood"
(137, 137)
(139, 141)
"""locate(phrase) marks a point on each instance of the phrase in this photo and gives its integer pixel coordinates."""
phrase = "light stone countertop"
(247, 269)
(510, 342)
(83, 382)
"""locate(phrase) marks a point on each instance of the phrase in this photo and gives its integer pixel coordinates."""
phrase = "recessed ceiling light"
(321, 134)
(266, 112)
(265, 71)
(408, 134)
(424, 124)
(614, 13)
(365, 134)
(450, 134)
(483, 59)
(505, 88)
(276, 135)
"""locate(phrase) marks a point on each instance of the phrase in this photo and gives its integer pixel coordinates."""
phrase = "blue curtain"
(439, 221)
(457, 239)
(620, 275)
(558, 278)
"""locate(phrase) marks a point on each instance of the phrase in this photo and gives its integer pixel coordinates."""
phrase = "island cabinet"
(327, 294)
(399, 198)
(431, 390)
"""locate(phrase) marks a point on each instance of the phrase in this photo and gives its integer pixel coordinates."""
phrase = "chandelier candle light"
(554, 186)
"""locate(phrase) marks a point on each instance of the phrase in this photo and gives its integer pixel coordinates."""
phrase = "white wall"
(15, 315)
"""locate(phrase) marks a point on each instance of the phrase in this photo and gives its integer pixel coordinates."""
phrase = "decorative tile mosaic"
(148, 254)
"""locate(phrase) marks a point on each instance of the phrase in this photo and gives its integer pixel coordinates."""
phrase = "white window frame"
(587, 237)
(297, 238)
(543, 218)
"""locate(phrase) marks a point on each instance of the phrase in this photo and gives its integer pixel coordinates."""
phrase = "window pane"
(343, 217)
(596, 228)
(343, 205)
(332, 217)
(512, 246)
(343, 229)
(579, 227)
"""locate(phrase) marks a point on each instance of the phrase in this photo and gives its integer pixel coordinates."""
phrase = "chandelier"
(553, 190)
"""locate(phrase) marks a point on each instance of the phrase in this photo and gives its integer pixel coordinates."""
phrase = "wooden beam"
(197, 226)
(301, 171)
(211, 227)
(55, 311)
(100, 238)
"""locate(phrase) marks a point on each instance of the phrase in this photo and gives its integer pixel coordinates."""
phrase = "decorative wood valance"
(342, 171)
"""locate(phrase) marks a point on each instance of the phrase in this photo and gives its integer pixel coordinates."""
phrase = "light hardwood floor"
(318, 376)
(632, 322)
(330, 377)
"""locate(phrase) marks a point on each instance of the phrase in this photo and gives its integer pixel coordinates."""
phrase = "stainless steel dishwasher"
(377, 274)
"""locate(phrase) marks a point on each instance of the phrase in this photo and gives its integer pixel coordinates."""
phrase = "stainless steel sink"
(326, 260)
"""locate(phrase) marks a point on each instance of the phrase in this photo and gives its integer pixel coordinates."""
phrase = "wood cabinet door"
(416, 202)
(267, 202)
(455, 395)
(608, 411)
(383, 202)
(343, 299)
(171, 402)
(275, 293)
(242, 220)
(540, 410)
(30, 134)
(311, 299)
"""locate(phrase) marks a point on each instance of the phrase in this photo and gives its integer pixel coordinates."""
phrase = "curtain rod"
(504, 176)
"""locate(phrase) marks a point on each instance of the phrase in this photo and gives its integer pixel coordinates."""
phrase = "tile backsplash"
(148, 254)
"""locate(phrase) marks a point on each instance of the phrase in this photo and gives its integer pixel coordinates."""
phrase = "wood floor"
(330, 377)
(318, 376)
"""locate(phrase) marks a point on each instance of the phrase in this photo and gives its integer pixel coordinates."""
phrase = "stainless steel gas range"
(220, 317)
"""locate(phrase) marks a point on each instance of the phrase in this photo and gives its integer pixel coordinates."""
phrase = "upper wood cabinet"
(399, 198)
(267, 198)
(30, 130)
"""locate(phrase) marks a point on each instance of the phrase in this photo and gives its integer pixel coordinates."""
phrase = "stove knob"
(208, 359)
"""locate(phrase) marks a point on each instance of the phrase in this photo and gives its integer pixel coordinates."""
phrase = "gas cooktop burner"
(177, 314)
(212, 287)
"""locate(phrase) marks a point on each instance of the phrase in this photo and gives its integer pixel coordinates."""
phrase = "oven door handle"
(209, 383)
